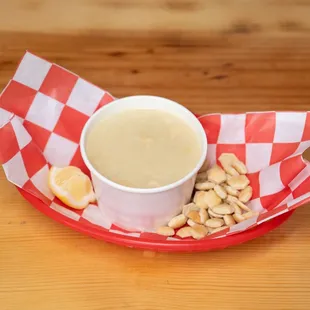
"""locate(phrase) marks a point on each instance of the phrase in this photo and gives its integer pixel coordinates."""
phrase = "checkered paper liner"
(44, 108)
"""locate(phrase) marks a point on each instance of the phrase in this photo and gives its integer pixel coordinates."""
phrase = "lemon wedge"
(71, 186)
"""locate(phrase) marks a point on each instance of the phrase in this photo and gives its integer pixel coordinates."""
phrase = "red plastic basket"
(152, 244)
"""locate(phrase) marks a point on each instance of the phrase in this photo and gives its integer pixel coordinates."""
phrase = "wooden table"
(46, 266)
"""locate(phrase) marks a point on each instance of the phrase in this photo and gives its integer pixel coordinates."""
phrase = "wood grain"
(279, 17)
(46, 266)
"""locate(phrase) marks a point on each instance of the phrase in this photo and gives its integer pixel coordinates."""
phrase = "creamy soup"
(143, 148)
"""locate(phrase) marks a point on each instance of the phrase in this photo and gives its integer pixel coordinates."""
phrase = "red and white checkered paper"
(44, 108)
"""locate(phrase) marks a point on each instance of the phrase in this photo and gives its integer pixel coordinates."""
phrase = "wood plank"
(213, 16)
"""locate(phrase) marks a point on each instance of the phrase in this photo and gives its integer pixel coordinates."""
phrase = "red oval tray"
(152, 244)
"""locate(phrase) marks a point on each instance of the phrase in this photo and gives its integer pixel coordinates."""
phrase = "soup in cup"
(144, 153)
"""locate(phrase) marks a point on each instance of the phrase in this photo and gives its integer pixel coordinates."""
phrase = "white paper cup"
(135, 208)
